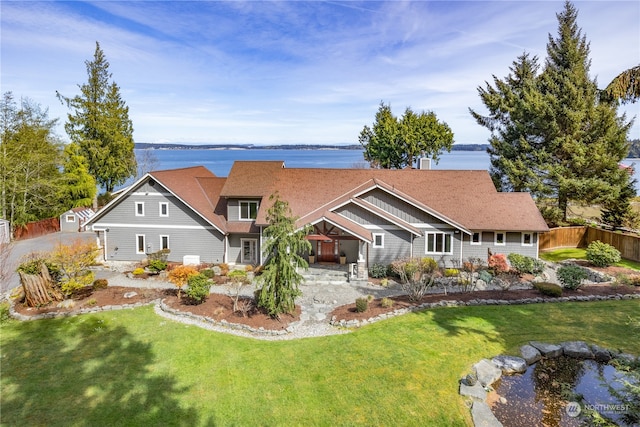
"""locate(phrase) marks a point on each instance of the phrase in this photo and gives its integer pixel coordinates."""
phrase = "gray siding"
(447, 260)
(234, 251)
(233, 208)
(360, 215)
(397, 207)
(188, 233)
(513, 244)
(397, 244)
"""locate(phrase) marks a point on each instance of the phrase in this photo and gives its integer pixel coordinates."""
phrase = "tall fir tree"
(80, 186)
(551, 134)
(283, 247)
(99, 123)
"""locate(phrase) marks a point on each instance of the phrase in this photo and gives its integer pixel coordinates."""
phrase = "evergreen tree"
(551, 135)
(99, 123)
(585, 139)
(80, 187)
(394, 143)
(283, 247)
(625, 87)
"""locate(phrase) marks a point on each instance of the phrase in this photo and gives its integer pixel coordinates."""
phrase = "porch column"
(363, 274)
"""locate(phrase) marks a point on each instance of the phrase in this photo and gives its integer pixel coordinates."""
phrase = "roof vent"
(152, 182)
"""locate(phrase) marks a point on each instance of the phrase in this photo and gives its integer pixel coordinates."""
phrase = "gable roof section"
(251, 178)
(386, 215)
(346, 225)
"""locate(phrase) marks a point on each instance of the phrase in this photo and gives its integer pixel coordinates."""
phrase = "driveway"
(20, 248)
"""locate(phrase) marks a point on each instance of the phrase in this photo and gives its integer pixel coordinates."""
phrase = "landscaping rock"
(475, 391)
(577, 349)
(130, 294)
(547, 350)
(510, 364)
(482, 416)
(530, 354)
(68, 303)
(600, 354)
(469, 380)
(486, 372)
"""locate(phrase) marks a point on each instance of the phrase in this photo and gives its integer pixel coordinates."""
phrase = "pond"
(546, 394)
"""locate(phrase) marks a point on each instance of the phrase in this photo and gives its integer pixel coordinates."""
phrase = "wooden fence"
(37, 229)
(580, 237)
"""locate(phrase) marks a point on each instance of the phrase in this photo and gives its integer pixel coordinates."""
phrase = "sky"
(294, 72)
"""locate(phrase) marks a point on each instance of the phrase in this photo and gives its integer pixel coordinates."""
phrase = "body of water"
(219, 161)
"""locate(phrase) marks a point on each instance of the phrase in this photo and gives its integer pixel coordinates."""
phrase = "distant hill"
(175, 146)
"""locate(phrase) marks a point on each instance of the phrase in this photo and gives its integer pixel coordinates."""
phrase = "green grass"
(133, 367)
(562, 254)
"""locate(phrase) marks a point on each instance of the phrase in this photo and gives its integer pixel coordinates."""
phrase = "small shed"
(75, 219)
(5, 231)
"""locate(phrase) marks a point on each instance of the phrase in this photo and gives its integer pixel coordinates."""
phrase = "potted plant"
(312, 257)
(343, 257)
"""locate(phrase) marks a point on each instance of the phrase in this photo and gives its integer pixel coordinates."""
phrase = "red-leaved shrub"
(498, 263)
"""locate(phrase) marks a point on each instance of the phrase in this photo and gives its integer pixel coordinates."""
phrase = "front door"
(327, 251)
(249, 251)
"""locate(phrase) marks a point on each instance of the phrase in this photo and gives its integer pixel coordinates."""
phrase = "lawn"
(133, 367)
(562, 254)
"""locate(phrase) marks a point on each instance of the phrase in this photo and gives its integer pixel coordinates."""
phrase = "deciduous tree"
(99, 123)
(282, 248)
(393, 143)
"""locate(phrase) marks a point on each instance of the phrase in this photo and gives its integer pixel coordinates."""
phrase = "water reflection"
(539, 397)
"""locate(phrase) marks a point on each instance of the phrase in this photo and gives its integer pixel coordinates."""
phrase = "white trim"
(144, 244)
(162, 226)
(434, 252)
(479, 242)
(530, 238)
(70, 218)
(249, 202)
(150, 193)
(137, 211)
(375, 245)
(160, 205)
(168, 243)
(504, 238)
(363, 238)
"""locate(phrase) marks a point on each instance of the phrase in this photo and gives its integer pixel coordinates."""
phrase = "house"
(75, 219)
(368, 215)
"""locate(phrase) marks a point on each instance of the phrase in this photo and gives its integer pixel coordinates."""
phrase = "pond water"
(541, 395)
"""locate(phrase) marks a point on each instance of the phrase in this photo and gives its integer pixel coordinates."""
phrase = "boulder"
(530, 354)
(482, 416)
(475, 391)
(577, 349)
(130, 294)
(469, 380)
(510, 364)
(486, 372)
(547, 350)
(600, 354)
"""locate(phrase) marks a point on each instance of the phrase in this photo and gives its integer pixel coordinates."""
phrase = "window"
(139, 208)
(438, 243)
(71, 218)
(527, 239)
(164, 242)
(378, 240)
(140, 244)
(501, 239)
(248, 210)
(164, 209)
(476, 238)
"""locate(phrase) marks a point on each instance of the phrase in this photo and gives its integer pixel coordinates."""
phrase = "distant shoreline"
(174, 146)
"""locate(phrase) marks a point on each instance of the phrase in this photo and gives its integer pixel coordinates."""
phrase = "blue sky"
(294, 72)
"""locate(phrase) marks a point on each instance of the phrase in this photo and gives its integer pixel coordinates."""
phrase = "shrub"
(224, 269)
(378, 271)
(71, 285)
(208, 273)
(386, 302)
(237, 275)
(571, 276)
(138, 271)
(525, 264)
(198, 288)
(248, 268)
(161, 255)
(498, 263)
(157, 265)
(626, 280)
(362, 305)
(602, 254)
(5, 314)
(416, 275)
(451, 272)
(548, 289)
(92, 301)
(384, 282)
(485, 276)
(179, 276)
(100, 284)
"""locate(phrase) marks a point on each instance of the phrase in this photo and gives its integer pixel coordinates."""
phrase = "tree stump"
(38, 288)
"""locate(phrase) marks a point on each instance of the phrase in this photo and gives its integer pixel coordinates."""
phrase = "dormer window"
(248, 210)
